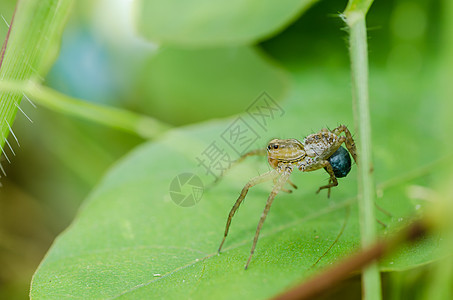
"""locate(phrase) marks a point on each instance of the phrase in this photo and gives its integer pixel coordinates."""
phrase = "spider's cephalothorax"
(284, 152)
(316, 151)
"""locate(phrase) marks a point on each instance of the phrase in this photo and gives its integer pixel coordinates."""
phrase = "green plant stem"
(355, 19)
(128, 121)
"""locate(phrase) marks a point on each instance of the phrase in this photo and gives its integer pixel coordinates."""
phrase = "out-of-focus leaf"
(192, 85)
(214, 23)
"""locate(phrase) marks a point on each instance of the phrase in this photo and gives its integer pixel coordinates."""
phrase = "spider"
(316, 151)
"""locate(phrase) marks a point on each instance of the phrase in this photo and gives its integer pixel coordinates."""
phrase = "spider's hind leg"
(348, 140)
(328, 189)
(332, 180)
(316, 165)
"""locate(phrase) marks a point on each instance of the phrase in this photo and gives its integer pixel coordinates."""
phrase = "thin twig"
(326, 280)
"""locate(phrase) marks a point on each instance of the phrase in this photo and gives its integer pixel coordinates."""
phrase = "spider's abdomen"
(341, 162)
(320, 144)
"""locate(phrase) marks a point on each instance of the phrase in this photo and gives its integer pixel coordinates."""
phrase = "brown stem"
(5, 43)
(327, 279)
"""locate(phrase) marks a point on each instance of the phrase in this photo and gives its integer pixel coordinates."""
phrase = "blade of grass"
(128, 121)
(31, 47)
(354, 16)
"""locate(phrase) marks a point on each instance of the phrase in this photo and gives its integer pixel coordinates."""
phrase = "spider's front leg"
(284, 177)
(257, 152)
(254, 181)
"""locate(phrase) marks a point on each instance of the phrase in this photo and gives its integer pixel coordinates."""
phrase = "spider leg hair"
(254, 181)
(284, 177)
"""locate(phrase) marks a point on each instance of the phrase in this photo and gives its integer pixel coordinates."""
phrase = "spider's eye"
(268, 147)
(275, 146)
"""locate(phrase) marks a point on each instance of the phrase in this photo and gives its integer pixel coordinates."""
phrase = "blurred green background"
(103, 60)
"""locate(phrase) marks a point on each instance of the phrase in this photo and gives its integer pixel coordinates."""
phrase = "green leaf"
(31, 48)
(130, 239)
(194, 85)
(214, 23)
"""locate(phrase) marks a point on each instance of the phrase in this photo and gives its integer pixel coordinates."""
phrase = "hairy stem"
(31, 46)
(355, 18)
